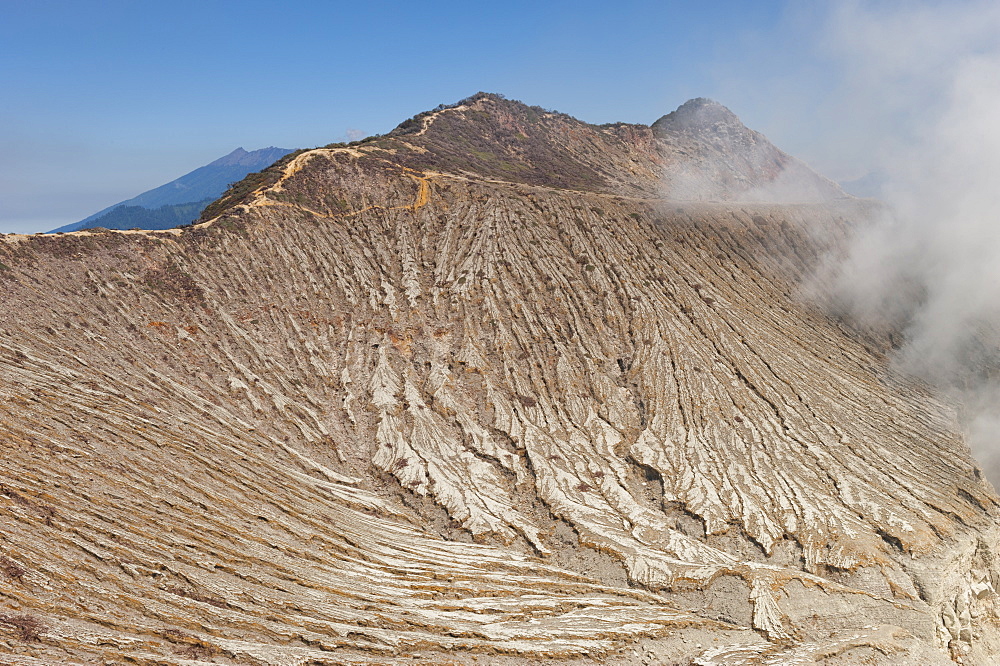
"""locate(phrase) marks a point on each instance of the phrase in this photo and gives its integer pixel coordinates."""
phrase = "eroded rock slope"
(474, 391)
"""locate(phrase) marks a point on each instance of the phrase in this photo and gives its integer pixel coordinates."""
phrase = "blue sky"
(104, 100)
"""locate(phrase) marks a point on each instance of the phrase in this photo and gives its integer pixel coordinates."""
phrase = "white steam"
(722, 160)
(929, 75)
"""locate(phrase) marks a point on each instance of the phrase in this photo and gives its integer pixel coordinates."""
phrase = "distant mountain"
(150, 219)
(182, 199)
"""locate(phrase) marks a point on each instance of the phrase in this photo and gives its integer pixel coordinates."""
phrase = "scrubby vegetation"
(11, 569)
(171, 281)
(137, 217)
(240, 192)
(28, 627)
(506, 140)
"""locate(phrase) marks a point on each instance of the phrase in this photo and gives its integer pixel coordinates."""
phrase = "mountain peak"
(699, 115)
(701, 151)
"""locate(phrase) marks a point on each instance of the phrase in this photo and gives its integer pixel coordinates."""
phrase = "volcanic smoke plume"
(929, 267)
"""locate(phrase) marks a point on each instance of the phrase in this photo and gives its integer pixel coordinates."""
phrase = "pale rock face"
(379, 411)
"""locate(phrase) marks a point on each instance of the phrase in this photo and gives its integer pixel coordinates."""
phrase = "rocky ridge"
(477, 391)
